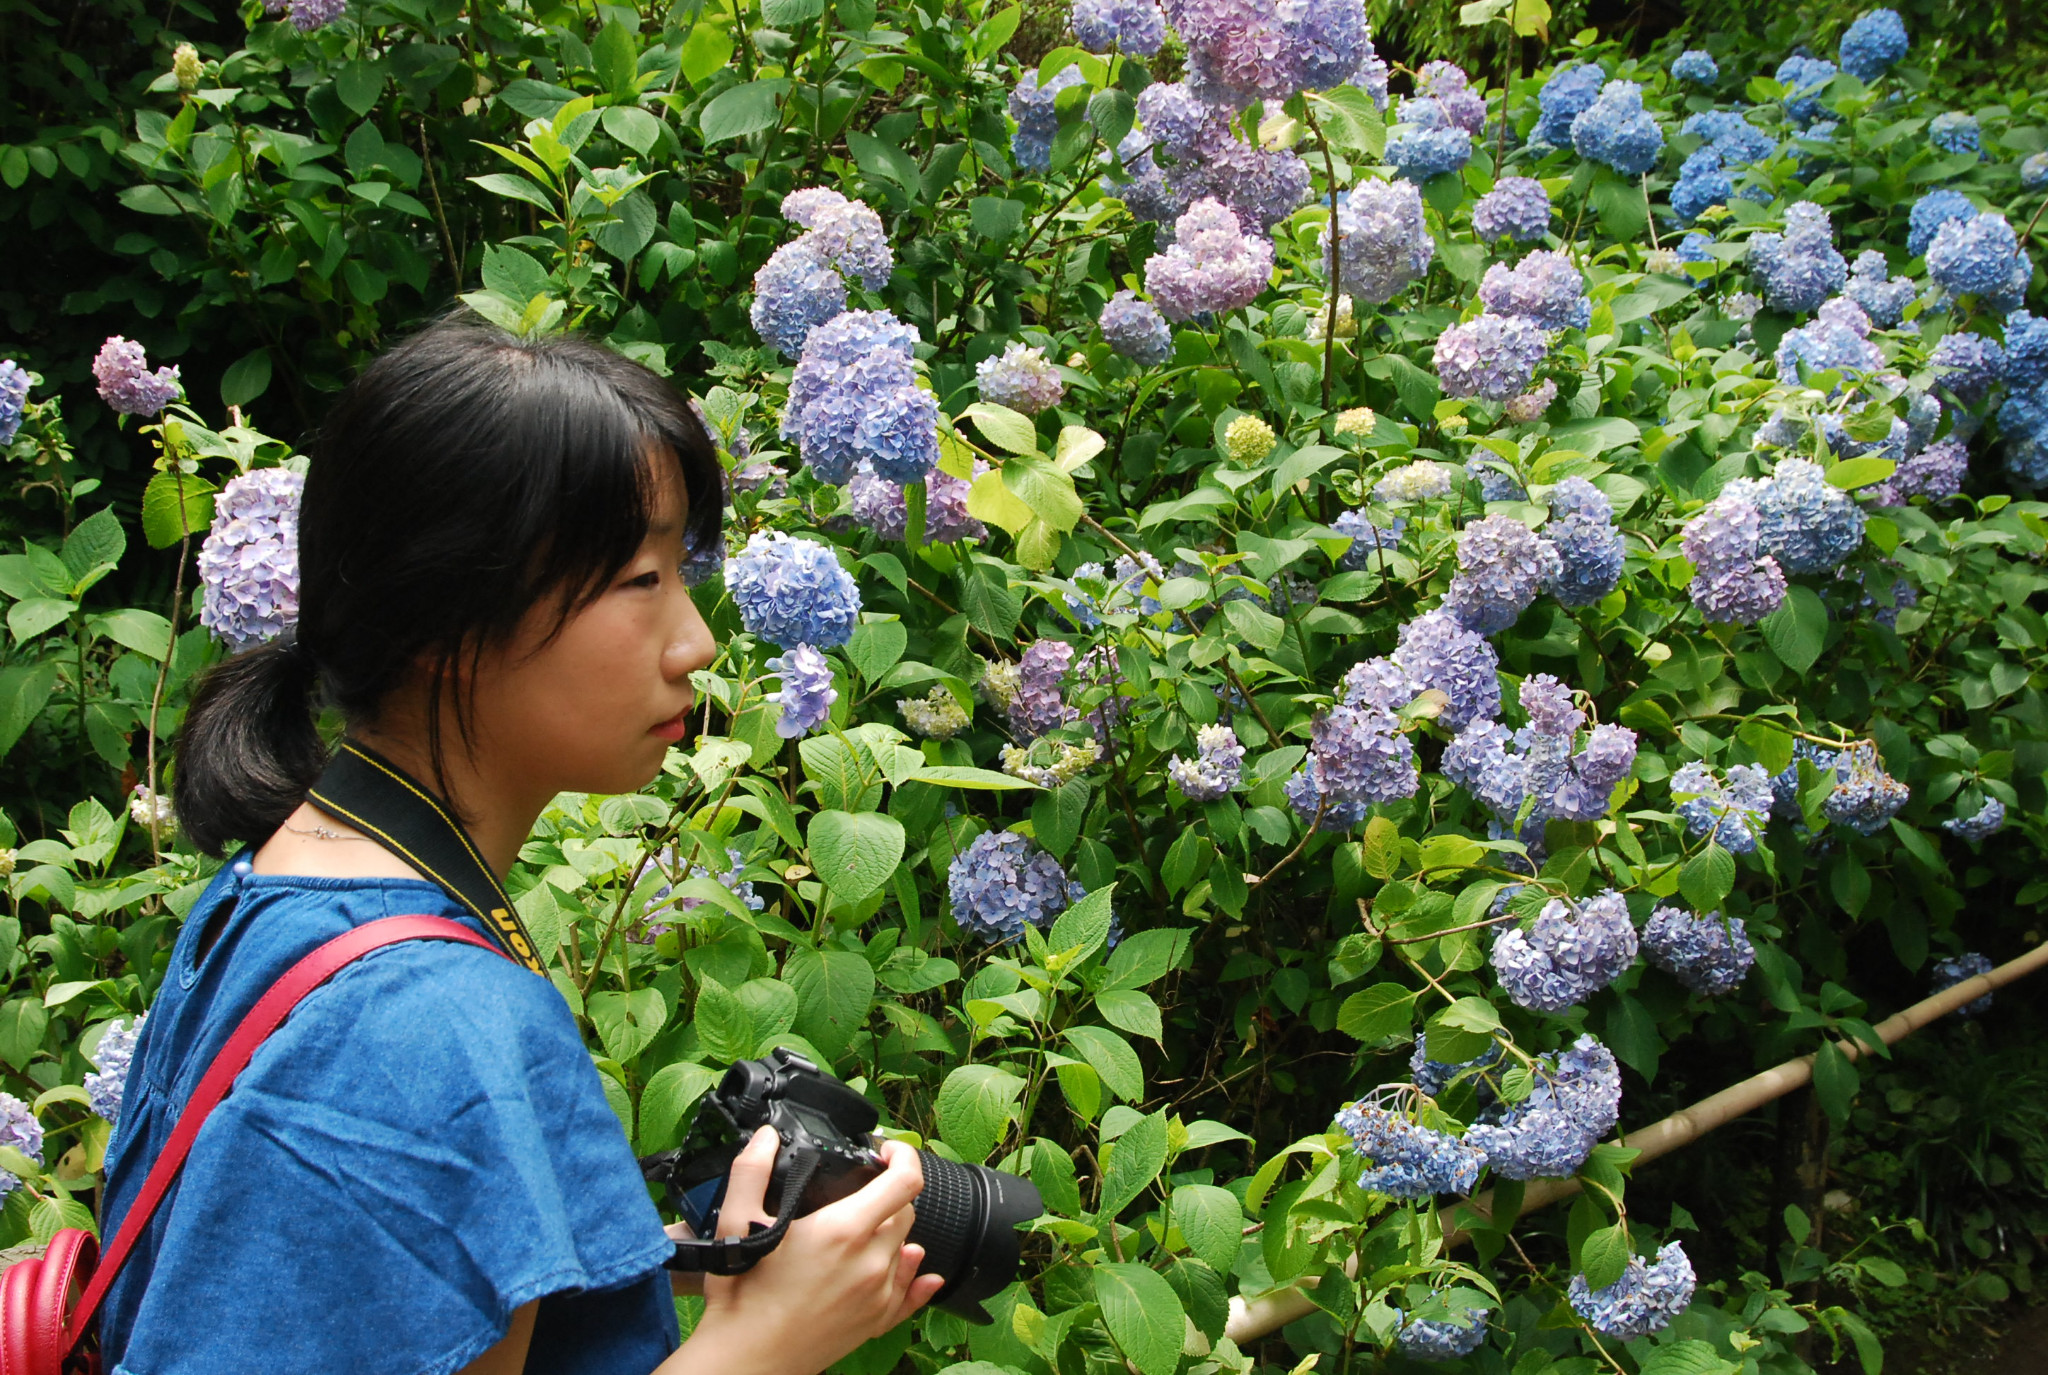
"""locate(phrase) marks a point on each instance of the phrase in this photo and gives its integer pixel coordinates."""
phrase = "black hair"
(465, 477)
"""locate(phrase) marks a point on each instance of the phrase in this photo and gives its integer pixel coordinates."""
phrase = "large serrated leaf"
(854, 852)
(1143, 1315)
(975, 1105)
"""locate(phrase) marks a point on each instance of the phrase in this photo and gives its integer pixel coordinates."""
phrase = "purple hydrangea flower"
(1733, 579)
(19, 1129)
(2023, 424)
(1570, 91)
(1371, 76)
(1305, 799)
(1710, 954)
(847, 234)
(794, 293)
(1516, 208)
(1804, 77)
(1448, 85)
(1368, 541)
(1137, 27)
(1218, 765)
(793, 591)
(1872, 44)
(1001, 881)
(1616, 130)
(1213, 264)
(657, 917)
(1383, 241)
(308, 15)
(1969, 365)
(1865, 796)
(854, 395)
(1443, 1340)
(1731, 812)
(1645, 1299)
(1701, 184)
(1180, 122)
(1974, 256)
(1567, 955)
(1494, 356)
(1805, 523)
(1697, 66)
(1040, 705)
(1436, 651)
(13, 398)
(1241, 50)
(1955, 132)
(1377, 684)
(1800, 268)
(1936, 472)
(1590, 550)
(1838, 341)
(122, 370)
(1884, 298)
(1550, 1133)
(1543, 287)
(249, 564)
(1968, 965)
(1358, 754)
(1408, 1159)
(1020, 378)
(1502, 565)
(807, 693)
(114, 1053)
(1136, 330)
(1520, 410)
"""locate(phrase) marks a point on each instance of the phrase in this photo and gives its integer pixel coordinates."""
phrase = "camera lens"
(967, 1218)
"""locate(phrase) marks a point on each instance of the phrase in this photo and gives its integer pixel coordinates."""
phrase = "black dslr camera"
(966, 1216)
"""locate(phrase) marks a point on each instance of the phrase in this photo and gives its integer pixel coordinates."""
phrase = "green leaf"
(22, 1023)
(988, 601)
(1009, 430)
(1145, 956)
(1707, 878)
(1143, 1315)
(1376, 1014)
(1134, 1160)
(1797, 631)
(359, 84)
(1852, 473)
(854, 852)
(145, 632)
(626, 1022)
(669, 1095)
(1127, 1009)
(1046, 488)
(616, 57)
(975, 1106)
(1604, 1257)
(24, 689)
(247, 378)
(957, 776)
(514, 187)
(1689, 1357)
(1260, 627)
(876, 647)
(835, 989)
(1380, 854)
(1210, 1222)
(880, 161)
(997, 219)
(94, 544)
(1835, 1081)
(1595, 436)
(175, 505)
(742, 110)
(632, 126)
(28, 619)
(1111, 1057)
(723, 1026)
(1084, 925)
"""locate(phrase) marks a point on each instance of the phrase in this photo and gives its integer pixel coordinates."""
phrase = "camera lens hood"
(967, 1220)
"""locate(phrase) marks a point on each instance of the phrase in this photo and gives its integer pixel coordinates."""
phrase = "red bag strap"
(268, 1014)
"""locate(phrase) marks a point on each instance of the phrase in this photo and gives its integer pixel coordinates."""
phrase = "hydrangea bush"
(1298, 659)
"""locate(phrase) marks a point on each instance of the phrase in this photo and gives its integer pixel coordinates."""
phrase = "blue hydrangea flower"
(795, 292)
(1567, 955)
(2023, 424)
(1936, 472)
(1544, 287)
(847, 234)
(1974, 256)
(1618, 131)
(1807, 524)
(1213, 264)
(1987, 821)
(19, 1129)
(1739, 142)
(1040, 704)
(1383, 241)
(1443, 1339)
(1137, 27)
(792, 591)
(1570, 91)
(2026, 350)
(122, 370)
(1436, 651)
(1697, 66)
(1590, 555)
(1969, 365)
(1644, 1300)
(1800, 268)
(1804, 77)
(1262, 186)
(1494, 356)
(1218, 765)
(1952, 971)
(1932, 211)
(854, 396)
(1865, 796)
(1516, 208)
(1839, 341)
(1368, 541)
(1733, 579)
(1379, 683)
(1136, 330)
(1701, 185)
(1358, 754)
(1371, 76)
(1033, 107)
(1001, 881)
(1872, 44)
(1955, 132)
(1417, 154)
(1549, 1134)
(249, 564)
(114, 1053)
(1884, 298)
(13, 398)
(1303, 796)
(1502, 565)
(1020, 378)
(1710, 954)
(2034, 172)
(1409, 1160)
(807, 694)
(1447, 84)
(1732, 812)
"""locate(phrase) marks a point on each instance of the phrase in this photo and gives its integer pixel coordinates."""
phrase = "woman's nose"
(690, 647)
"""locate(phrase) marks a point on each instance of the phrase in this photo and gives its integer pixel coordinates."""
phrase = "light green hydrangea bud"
(936, 716)
(1358, 420)
(185, 66)
(1248, 440)
(1067, 762)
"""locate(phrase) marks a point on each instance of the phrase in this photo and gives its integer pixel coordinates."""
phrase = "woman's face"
(594, 708)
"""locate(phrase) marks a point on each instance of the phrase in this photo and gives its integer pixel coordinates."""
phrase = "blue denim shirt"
(420, 1149)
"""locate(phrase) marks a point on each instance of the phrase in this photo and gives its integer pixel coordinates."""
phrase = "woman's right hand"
(842, 1274)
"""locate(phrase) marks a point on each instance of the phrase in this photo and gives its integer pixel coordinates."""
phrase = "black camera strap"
(737, 1255)
(382, 801)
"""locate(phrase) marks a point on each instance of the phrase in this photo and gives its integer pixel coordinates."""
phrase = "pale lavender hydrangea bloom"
(1493, 357)
(1244, 50)
(1502, 565)
(1039, 705)
(1974, 256)
(1837, 341)
(1180, 122)
(13, 398)
(792, 591)
(807, 694)
(1528, 407)
(1804, 522)
(1435, 651)
(113, 1055)
(1448, 85)
(122, 370)
(1377, 684)
(1303, 796)
(307, 15)
(847, 234)
(1426, 1339)
(1616, 130)
(1135, 329)
(1137, 27)
(854, 395)
(249, 564)
(1936, 472)
(1733, 579)
(1383, 241)
(1358, 754)
(1543, 287)
(1731, 812)
(794, 293)
(1645, 1299)
(1371, 76)
(1865, 796)
(1549, 1134)
(1408, 1160)
(1709, 954)
(147, 808)
(1800, 268)
(19, 1129)
(1567, 955)
(1516, 208)
(1020, 378)
(1001, 881)
(2034, 172)
(1213, 264)
(1218, 765)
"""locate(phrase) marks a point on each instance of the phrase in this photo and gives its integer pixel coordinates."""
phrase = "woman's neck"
(498, 811)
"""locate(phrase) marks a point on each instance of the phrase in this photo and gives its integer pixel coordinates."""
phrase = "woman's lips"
(673, 728)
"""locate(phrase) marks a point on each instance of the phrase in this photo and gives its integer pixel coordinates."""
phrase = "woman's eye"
(646, 580)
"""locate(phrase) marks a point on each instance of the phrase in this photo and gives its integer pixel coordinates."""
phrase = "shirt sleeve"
(423, 1147)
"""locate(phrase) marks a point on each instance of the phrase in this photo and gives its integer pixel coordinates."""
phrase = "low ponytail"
(248, 749)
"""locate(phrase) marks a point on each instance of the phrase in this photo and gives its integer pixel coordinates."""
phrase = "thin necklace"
(320, 832)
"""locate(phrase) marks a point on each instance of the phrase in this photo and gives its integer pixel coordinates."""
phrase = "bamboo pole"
(1269, 1312)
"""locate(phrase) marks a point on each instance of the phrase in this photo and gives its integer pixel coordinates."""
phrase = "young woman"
(419, 1173)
